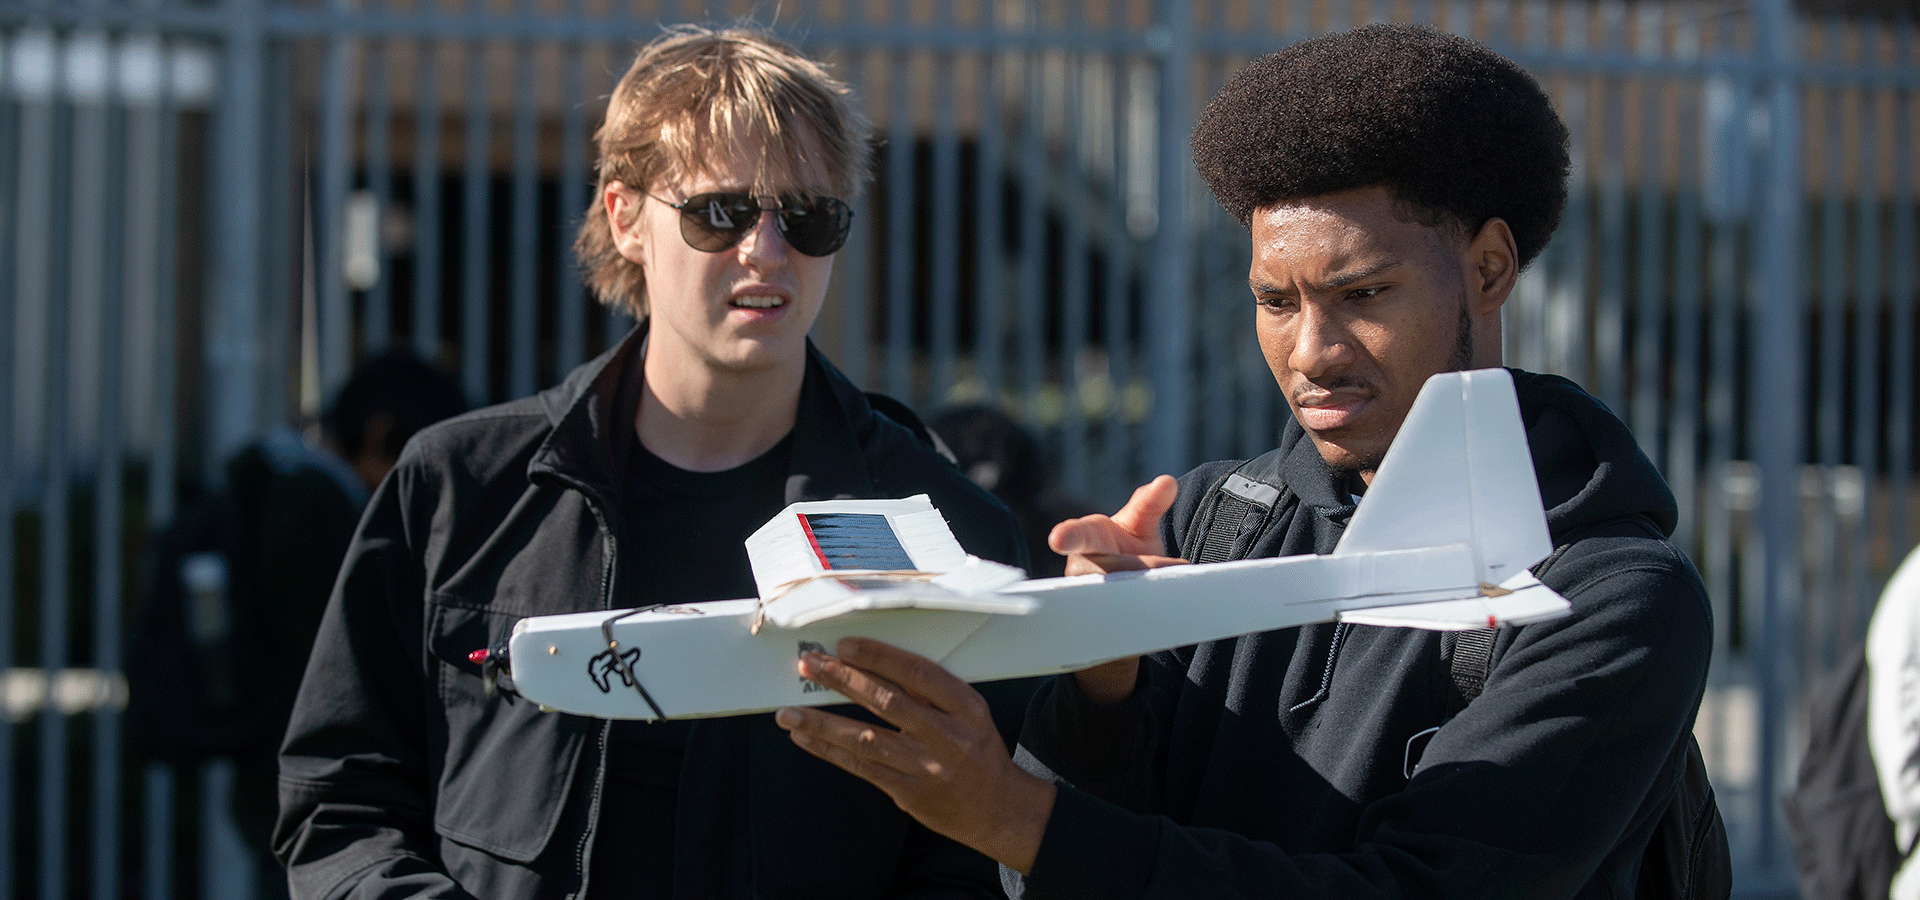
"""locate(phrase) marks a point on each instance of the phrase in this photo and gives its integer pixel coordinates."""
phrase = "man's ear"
(623, 219)
(1492, 265)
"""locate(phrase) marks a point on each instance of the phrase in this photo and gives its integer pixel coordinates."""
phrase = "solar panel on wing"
(855, 541)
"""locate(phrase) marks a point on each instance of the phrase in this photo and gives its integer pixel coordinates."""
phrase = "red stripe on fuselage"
(813, 542)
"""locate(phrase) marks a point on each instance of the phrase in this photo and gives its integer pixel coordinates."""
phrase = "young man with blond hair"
(726, 164)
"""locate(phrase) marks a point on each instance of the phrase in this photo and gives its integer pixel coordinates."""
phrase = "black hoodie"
(1276, 764)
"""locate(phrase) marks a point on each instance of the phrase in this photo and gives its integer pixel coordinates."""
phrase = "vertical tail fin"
(1458, 472)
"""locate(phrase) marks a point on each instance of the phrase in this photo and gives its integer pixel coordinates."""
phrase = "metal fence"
(209, 210)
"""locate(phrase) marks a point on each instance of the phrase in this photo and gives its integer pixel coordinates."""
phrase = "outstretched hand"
(1127, 540)
(946, 765)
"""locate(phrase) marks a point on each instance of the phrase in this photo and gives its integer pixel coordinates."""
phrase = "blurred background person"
(1003, 456)
(238, 580)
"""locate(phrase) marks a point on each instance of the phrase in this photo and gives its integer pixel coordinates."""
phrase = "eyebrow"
(1338, 281)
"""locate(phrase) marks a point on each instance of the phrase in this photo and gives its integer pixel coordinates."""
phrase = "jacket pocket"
(507, 768)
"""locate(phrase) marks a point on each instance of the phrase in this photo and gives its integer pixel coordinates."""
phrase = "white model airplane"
(1442, 541)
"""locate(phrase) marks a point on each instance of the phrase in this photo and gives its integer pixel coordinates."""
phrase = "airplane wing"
(1520, 600)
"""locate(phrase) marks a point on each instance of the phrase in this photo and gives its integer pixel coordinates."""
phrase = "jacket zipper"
(600, 742)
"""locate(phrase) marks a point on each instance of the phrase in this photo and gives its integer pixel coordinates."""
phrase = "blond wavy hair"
(692, 97)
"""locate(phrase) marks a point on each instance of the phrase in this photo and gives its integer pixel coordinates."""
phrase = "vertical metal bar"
(945, 277)
(1115, 457)
(376, 322)
(855, 262)
(1867, 386)
(1719, 541)
(1257, 408)
(236, 362)
(1826, 450)
(1299, 19)
(1031, 300)
(989, 237)
(1725, 309)
(1221, 323)
(233, 347)
(286, 266)
(109, 489)
(1170, 351)
(1653, 307)
(1684, 422)
(333, 312)
(1423, 11)
(476, 216)
(1610, 313)
(1568, 311)
(1074, 306)
(1499, 16)
(1528, 344)
(1904, 282)
(226, 870)
(1521, 329)
(164, 126)
(426, 204)
(157, 826)
(571, 307)
(523, 331)
(160, 132)
(900, 301)
(19, 263)
(1226, 383)
(1778, 388)
(1722, 386)
(56, 519)
(1340, 16)
(1462, 14)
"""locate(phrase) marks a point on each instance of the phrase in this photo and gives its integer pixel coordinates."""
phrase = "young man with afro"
(1394, 180)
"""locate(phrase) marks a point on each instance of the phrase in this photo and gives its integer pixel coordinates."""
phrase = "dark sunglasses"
(812, 224)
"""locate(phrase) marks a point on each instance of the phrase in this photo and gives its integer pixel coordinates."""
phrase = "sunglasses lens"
(711, 223)
(815, 226)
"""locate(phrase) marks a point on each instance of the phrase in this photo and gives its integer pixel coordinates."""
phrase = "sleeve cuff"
(1093, 849)
(1103, 735)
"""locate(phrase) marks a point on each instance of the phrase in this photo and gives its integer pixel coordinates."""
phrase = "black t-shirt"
(682, 540)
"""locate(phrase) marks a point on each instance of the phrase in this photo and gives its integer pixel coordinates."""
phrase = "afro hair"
(1459, 134)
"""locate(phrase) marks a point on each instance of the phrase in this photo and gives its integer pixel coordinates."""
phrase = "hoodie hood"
(1590, 467)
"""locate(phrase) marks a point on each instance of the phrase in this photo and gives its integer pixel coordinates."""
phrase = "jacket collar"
(590, 416)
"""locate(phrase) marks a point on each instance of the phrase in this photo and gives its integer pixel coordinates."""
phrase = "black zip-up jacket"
(401, 777)
(1276, 764)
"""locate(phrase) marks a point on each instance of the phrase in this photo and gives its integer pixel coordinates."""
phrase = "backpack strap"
(1469, 657)
(1469, 654)
(1237, 510)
